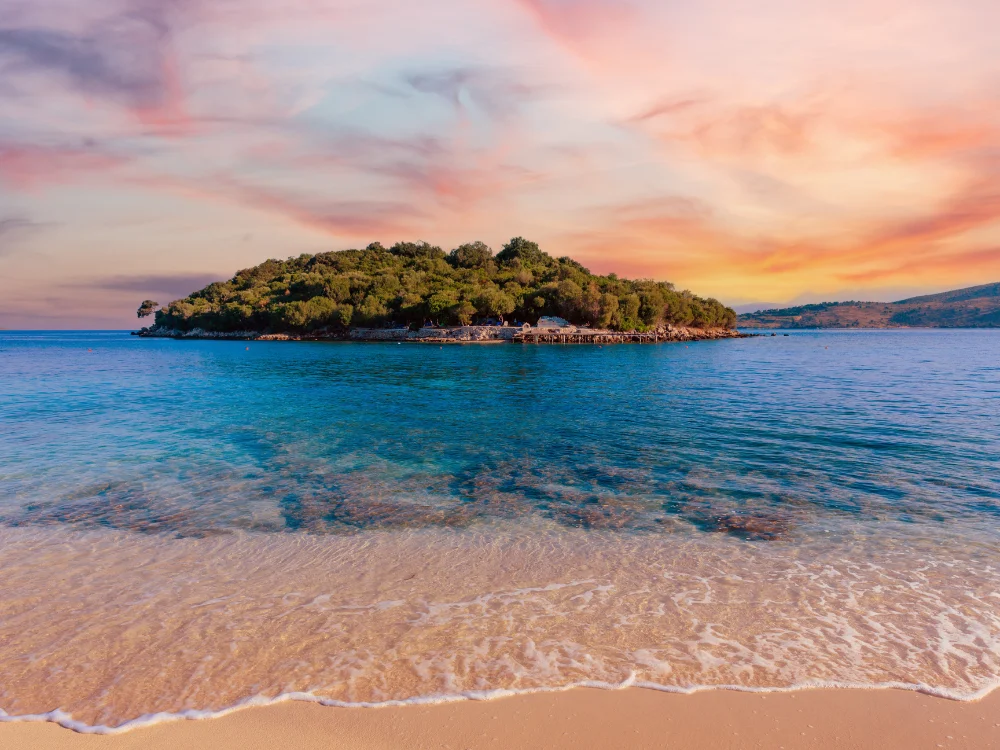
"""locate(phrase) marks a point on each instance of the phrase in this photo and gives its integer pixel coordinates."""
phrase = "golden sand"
(581, 718)
(112, 627)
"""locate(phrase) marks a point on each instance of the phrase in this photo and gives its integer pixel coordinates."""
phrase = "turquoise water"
(189, 438)
(817, 508)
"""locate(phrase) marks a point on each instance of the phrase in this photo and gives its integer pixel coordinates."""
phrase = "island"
(414, 291)
(972, 307)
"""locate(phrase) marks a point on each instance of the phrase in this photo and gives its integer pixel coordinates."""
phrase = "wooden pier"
(555, 336)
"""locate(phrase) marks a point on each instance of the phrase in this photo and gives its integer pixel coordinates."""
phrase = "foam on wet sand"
(580, 719)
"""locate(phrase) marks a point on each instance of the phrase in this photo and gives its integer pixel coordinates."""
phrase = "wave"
(67, 721)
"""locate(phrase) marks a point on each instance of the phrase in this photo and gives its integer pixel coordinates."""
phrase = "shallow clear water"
(184, 525)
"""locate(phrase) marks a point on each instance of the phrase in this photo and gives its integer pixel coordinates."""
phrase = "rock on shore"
(462, 334)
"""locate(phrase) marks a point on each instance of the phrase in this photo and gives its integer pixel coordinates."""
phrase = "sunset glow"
(796, 150)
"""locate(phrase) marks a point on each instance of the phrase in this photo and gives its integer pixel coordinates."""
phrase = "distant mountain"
(974, 307)
(752, 307)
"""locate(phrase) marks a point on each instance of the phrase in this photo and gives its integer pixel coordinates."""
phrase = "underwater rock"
(749, 527)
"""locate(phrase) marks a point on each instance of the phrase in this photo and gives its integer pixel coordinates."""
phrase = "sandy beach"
(581, 718)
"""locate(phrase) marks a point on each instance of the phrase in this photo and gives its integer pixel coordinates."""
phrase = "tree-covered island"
(411, 284)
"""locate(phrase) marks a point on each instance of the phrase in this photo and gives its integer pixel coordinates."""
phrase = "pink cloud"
(586, 27)
(28, 167)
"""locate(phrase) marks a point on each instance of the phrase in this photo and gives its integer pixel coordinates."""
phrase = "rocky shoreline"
(457, 335)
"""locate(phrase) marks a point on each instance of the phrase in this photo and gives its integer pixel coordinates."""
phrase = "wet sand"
(582, 718)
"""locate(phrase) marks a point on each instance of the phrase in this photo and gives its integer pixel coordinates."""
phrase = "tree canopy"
(413, 282)
(147, 308)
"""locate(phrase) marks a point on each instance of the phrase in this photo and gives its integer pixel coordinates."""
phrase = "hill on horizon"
(971, 307)
(414, 282)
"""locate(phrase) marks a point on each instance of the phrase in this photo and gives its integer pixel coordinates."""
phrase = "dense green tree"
(414, 281)
(492, 303)
(465, 313)
(471, 255)
(629, 306)
(416, 250)
(520, 249)
(607, 307)
(147, 308)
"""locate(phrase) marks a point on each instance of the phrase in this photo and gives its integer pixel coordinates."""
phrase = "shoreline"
(580, 717)
(66, 721)
(465, 335)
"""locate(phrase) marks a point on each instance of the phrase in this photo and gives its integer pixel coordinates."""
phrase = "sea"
(190, 526)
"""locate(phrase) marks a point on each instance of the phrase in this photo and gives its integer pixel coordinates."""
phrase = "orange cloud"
(685, 241)
(729, 129)
(978, 265)
(976, 206)
(810, 124)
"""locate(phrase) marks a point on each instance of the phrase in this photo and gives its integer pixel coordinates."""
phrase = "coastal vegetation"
(412, 283)
(972, 307)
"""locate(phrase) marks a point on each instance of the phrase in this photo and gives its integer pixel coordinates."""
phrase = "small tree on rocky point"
(147, 308)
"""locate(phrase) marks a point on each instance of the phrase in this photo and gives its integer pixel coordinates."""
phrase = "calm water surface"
(186, 525)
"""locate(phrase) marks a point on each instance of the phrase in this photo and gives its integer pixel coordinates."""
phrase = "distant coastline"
(972, 307)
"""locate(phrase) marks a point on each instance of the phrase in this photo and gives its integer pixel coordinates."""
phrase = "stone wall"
(430, 335)
(195, 333)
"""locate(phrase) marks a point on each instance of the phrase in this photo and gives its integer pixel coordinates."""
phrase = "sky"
(764, 151)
